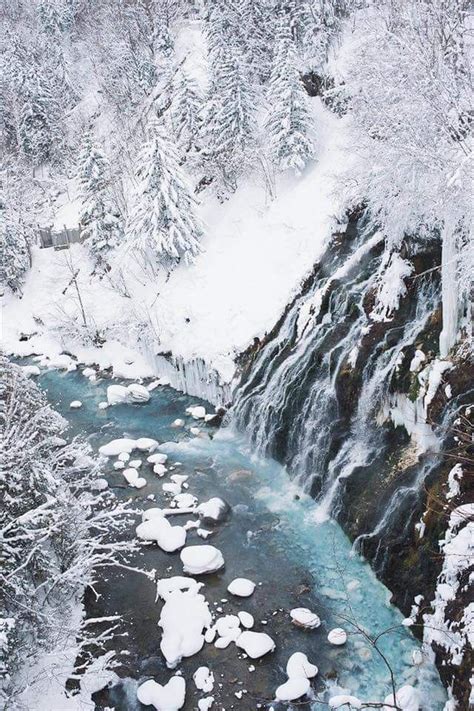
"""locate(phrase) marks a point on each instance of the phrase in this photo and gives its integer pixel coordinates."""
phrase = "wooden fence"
(59, 239)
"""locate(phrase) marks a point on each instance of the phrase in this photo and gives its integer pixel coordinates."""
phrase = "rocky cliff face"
(349, 392)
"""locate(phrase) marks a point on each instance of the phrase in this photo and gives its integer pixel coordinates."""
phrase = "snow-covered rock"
(406, 698)
(213, 511)
(139, 482)
(203, 679)
(170, 487)
(130, 475)
(135, 463)
(159, 469)
(213, 419)
(204, 533)
(302, 617)
(177, 423)
(337, 636)
(184, 501)
(223, 642)
(299, 666)
(225, 625)
(166, 586)
(184, 617)
(169, 697)
(293, 689)
(158, 458)
(198, 412)
(198, 560)
(75, 404)
(169, 538)
(210, 635)
(344, 702)
(138, 393)
(30, 370)
(205, 703)
(246, 619)
(103, 405)
(241, 587)
(123, 457)
(87, 372)
(60, 362)
(146, 444)
(117, 394)
(119, 464)
(255, 644)
(117, 446)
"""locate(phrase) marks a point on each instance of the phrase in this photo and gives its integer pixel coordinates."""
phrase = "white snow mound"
(169, 538)
(255, 644)
(183, 618)
(337, 636)
(407, 699)
(201, 559)
(241, 587)
(169, 697)
(299, 666)
(293, 689)
(204, 679)
(302, 617)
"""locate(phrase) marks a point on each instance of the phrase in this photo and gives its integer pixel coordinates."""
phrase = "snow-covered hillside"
(256, 251)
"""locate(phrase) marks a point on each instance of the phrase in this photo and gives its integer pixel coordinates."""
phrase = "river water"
(272, 536)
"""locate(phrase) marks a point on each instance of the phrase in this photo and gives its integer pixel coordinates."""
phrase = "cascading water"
(313, 395)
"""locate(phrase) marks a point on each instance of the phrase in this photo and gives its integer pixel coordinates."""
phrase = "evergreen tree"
(185, 109)
(288, 124)
(37, 111)
(14, 249)
(57, 15)
(99, 221)
(163, 224)
(256, 28)
(230, 124)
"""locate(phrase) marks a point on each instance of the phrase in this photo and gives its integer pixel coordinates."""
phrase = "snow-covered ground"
(256, 253)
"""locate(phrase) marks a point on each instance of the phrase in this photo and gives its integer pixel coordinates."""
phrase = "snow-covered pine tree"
(14, 248)
(37, 118)
(57, 15)
(289, 123)
(255, 28)
(230, 123)
(313, 25)
(100, 221)
(164, 226)
(185, 112)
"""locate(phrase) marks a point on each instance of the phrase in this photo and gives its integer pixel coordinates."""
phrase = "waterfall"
(314, 393)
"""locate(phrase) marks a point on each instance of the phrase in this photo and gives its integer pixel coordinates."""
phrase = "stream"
(273, 536)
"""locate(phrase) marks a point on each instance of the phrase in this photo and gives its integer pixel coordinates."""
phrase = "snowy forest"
(236, 275)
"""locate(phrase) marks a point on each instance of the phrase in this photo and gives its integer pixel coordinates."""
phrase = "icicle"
(449, 292)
